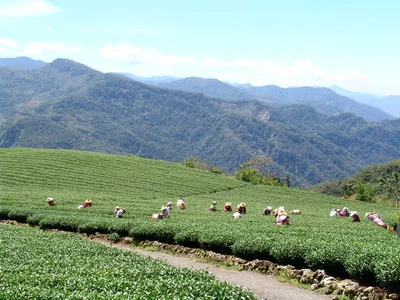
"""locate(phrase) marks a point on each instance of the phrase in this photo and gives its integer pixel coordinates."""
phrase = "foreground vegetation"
(362, 251)
(48, 265)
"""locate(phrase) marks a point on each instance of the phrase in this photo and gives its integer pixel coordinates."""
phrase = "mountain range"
(67, 105)
(324, 100)
(390, 104)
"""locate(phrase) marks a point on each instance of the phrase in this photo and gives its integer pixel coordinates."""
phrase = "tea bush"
(50, 265)
(361, 250)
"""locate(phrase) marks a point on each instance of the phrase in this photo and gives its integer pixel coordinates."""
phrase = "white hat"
(353, 213)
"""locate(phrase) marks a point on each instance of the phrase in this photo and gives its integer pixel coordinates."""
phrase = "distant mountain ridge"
(323, 100)
(67, 105)
(389, 104)
(22, 62)
(154, 80)
(375, 108)
(209, 87)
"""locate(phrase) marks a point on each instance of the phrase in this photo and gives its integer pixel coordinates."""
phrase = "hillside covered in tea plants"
(362, 251)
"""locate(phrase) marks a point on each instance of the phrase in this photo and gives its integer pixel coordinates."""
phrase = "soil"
(262, 285)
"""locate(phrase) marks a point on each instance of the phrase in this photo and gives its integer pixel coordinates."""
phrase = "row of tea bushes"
(38, 264)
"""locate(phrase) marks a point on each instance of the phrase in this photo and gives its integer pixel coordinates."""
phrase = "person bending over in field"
(119, 211)
(163, 215)
(267, 211)
(334, 212)
(276, 211)
(228, 207)
(282, 217)
(236, 215)
(241, 208)
(51, 202)
(213, 206)
(181, 204)
(344, 212)
(169, 205)
(374, 217)
(354, 215)
(165, 212)
(87, 203)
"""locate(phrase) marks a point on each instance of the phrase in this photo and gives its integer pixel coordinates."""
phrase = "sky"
(354, 44)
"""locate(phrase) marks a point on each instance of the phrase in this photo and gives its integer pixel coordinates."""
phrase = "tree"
(391, 182)
(348, 189)
(256, 171)
(195, 162)
(260, 164)
(364, 192)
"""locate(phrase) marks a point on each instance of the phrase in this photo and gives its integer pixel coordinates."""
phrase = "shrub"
(114, 237)
(19, 215)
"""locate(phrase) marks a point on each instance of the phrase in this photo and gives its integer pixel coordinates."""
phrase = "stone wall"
(317, 280)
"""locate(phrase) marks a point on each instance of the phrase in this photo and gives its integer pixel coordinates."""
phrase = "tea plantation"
(47, 265)
(362, 251)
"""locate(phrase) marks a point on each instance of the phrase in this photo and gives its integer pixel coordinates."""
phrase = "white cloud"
(44, 27)
(8, 43)
(150, 62)
(27, 9)
(4, 50)
(134, 55)
(38, 48)
(348, 75)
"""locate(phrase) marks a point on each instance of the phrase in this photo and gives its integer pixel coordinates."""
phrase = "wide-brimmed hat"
(242, 204)
(214, 202)
(353, 213)
(118, 207)
(228, 204)
(163, 207)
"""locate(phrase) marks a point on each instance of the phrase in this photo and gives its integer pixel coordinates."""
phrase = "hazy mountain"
(389, 104)
(323, 100)
(68, 105)
(154, 80)
(22, 62)
(208, 87)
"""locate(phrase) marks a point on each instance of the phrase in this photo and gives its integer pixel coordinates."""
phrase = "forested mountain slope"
(70, 106)
(324, 100)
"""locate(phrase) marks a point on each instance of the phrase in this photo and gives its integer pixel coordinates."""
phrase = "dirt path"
(263, 286)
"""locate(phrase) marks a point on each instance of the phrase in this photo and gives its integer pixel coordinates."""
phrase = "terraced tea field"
(341, 247)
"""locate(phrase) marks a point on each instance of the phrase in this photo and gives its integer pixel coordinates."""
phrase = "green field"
(48, 265)
(360, 251)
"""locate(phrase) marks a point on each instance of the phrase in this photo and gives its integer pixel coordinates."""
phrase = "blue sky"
(351, 43)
